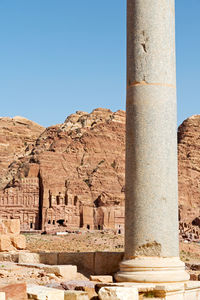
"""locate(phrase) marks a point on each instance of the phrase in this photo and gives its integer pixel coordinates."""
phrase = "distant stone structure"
(22, 203)
(64, 212)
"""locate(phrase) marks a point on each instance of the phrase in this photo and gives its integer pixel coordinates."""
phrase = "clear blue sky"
(59, 56)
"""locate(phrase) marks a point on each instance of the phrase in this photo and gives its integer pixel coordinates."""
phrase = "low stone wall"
(96, 263)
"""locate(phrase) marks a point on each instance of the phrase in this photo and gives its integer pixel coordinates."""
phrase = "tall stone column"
(151, 218)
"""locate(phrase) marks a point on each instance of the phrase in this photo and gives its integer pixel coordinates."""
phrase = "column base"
(189, 290)
(152, 270)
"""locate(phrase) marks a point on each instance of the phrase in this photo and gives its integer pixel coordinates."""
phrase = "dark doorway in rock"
(49, 222)
(31, 225)
(88, 226)
(99, 227)
(53, 222)
(75, 200)
(58, 200)
(66, 199)
(61, 222)
(119, 231)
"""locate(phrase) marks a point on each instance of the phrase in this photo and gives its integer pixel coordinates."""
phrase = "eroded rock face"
(189, 177)
(72, 174)
(10, 237)
(17, 137)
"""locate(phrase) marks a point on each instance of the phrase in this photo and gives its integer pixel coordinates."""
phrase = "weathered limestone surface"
(44, 293)
(81, 285)
(76, 295)
(107, 263)
(97, 263)
(118, 293)
(84, 260)
(68, 272)
(151, 170)
(151, 212)
(2, 296)
(19, 241)
(10, 227)
(28, 258)
(10, 239)
(101, 278)
(174, 291)
(14, 291)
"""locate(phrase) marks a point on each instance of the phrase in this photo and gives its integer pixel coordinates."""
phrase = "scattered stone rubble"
(189, 232)
(44, 281)
(88, 290)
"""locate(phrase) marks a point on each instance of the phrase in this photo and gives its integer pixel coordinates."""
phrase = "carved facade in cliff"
(73, 173)
(64, 212)
(22, 202)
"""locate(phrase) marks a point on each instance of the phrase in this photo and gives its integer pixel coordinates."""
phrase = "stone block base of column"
(189, 290)
(152, 270)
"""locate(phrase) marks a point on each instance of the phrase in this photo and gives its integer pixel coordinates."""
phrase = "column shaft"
(151, 144)
(151, 218)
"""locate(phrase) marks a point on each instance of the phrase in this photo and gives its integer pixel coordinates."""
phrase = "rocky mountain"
(84, 155)
(16, 135)
(70, 165)
(189, 171)
(84, 158)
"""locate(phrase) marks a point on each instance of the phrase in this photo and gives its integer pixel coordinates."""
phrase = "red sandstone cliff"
(80, 163)
(189, 170)
(77, 163)
(17, 135)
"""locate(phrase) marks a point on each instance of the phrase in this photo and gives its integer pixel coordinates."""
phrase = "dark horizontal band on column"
(142, 83)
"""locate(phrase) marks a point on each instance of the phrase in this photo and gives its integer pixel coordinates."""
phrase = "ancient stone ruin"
(66, 177)
(64, 212)
(69, 179)
(10, 237)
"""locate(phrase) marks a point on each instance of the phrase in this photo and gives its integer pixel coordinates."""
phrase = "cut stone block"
(84, 260)
(2, 296)
(19, 241)
(81, 285)
(14, 291)
(49, 258)
(9, 256)
(5, 243)
(29, 258)
(118, 293)
(107, 263)
(192, 290)
(44, 293)
(189, 290)
(193, 277)
(76, 295)
(11, 226)
(101, 278)
(141, 287)
(68, 272)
